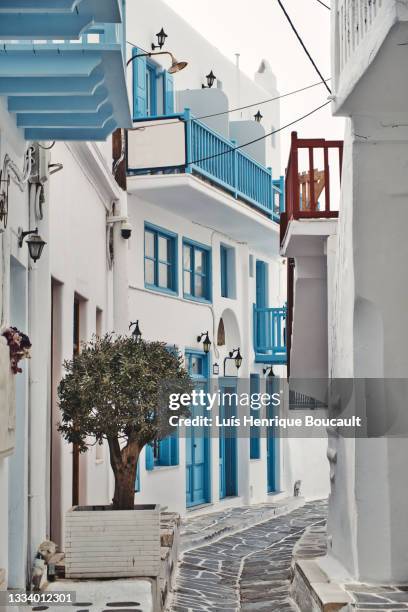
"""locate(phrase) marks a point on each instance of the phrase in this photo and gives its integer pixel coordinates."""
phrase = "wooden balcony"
(310, 190)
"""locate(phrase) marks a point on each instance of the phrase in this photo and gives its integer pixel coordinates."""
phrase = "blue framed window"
(163, 452)
(196, 271)
(153, 88)
(255, 430)
(160, 259)
(224, 270)
(227, 271)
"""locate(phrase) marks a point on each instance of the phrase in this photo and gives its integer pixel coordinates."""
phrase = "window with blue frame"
(196, 271)
(153, 89)
(227, 271)
(255, 430)
(162, 453)
(160, 259)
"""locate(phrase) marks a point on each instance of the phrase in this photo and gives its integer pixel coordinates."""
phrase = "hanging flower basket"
(19, 345)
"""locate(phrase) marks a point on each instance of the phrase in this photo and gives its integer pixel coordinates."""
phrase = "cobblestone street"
(249, 570)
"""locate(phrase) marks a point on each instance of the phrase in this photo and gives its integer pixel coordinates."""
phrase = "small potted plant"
(117, 390)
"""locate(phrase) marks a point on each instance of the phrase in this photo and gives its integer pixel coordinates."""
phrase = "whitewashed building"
(65, 85)
(203, 256)
(348, 258)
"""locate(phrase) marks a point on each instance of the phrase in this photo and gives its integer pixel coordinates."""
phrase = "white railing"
(355, 18)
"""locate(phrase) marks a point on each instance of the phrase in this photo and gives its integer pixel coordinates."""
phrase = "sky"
(258, 29)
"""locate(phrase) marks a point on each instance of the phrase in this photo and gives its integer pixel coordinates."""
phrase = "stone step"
(313, 591)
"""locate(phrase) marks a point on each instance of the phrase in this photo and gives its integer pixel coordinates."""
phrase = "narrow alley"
(250, 569)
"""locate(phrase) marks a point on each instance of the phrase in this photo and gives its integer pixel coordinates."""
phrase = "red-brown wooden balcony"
(311, 189)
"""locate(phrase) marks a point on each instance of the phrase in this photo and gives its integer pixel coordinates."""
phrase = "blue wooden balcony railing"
(210, 155)
(270, 335)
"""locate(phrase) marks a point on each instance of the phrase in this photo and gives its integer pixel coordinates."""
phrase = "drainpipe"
(39, 330)
(120, 267)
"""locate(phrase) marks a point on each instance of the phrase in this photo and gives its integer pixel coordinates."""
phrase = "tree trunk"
(124, 466)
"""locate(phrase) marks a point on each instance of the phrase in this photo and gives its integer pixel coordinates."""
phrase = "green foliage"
(118, 388)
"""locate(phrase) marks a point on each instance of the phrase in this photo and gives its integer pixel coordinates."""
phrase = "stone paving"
(248, 570)
(380, 598)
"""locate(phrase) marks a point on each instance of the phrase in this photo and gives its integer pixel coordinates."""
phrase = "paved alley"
(249, 570)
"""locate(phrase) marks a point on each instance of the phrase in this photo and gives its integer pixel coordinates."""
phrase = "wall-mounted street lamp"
(161, 39)
(258, 117)
(216, 369)
(206, 341)
(269, 372)
(236, 356)
(176, 66)
(136, 333)
(35, 243)
(210, 80)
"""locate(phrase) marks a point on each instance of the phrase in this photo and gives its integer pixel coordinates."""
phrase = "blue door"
(228, 442)
(262, 301)
(272, 441)
(197, 438)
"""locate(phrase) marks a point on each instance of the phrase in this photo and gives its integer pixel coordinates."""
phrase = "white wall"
(367, 341)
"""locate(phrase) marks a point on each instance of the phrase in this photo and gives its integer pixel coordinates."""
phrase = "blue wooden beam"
(50, 87)
(29, 6)
(66, 134)
(59, 104)
(48, 64)
(65, 20)
(48, 120)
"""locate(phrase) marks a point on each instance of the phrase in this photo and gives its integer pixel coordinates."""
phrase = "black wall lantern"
(136, 333)
(216, 369)
(258, 117)
(161, 39)
(35, 243)
(236, 356)
(210, 80)
(206, 341)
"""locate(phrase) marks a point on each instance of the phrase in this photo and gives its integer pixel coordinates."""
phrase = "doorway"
(197, 438)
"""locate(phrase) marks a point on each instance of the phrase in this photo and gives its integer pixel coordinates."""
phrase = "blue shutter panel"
(149, 457)
(174, 448)
(255, 433)
(137, 483)
(139, 84)
(168, 90)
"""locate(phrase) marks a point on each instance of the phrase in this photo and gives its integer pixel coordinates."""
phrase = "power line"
(323, 4)
(291, 93)
(303, 45)
(197, 161)
(233, 110)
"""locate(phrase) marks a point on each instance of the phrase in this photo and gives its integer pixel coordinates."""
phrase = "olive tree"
(117, 389)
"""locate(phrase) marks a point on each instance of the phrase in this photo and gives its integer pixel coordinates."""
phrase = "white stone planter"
(105, 543)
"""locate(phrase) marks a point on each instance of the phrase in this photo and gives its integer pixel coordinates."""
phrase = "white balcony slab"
(198, 201)
(307, 237)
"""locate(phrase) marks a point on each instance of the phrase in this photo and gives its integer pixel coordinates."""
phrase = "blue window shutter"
(137, 483)
(255, 432)
(168, 89)
(174, 439)
(149, 457)
(139, 84)
(164, 452)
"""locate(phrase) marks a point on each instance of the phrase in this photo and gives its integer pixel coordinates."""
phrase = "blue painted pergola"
(62, 67)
